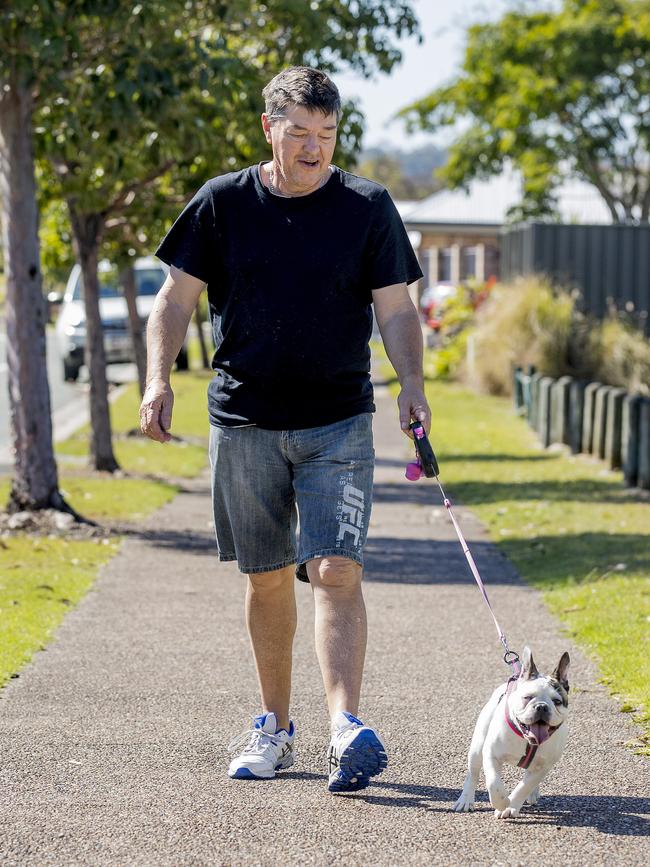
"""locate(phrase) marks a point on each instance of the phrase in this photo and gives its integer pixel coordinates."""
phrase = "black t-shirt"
(289, 289)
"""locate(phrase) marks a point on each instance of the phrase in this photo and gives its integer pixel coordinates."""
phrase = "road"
(69, 400)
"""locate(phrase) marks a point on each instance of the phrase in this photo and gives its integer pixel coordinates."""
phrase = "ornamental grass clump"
(624, 356)
(532, 322)
(529, 322)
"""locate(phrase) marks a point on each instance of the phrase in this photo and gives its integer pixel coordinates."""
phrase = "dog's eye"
(528, 698)
(557, 702)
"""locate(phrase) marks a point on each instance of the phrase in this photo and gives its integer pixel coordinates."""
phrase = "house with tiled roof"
(456, 233)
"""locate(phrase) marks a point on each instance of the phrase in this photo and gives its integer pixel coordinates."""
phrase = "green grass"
(190, 416)
(150, 465)
(136, 454)
(40, 580)
(194, 352)
(145, 457)
(100, 498)
(567, 523)
(116, 499)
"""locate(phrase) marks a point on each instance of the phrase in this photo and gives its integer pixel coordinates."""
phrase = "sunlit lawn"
(40, 580)
(180, 458)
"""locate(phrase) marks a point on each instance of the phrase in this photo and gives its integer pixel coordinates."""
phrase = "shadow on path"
(177, 540)
(422, 493)
(420, 561)
(609, 814)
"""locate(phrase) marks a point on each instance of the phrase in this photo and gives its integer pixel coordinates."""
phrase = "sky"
(423, 68)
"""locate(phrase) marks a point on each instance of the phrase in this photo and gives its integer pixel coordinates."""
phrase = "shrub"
(624, 357)
(532, 322)
(447, 361)
(526, 322)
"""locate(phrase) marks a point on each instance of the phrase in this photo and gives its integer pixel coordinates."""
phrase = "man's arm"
(400, 329)
(166, 329)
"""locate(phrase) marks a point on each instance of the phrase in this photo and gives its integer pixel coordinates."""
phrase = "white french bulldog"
(524, 724)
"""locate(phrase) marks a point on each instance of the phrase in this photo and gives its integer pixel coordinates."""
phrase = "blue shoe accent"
(364, 757)
(341, 784)
(352, 719)
(244, 774)
(260, 721)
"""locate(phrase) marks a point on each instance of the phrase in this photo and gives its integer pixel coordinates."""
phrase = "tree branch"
(592, 172)
(124, 199)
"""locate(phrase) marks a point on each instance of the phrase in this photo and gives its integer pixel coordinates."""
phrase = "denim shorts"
(287, 496)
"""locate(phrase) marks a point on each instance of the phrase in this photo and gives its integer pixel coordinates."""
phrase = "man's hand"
(413, 406)
(156, 410)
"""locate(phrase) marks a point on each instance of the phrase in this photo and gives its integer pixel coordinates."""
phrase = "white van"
(71, 324)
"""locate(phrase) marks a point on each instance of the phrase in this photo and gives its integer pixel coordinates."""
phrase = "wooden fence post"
(600, 420)
(630, 439)
(644, 444)
(576, 412)
(613, 427)
(560, 393)
(588, 417)
(544, 410)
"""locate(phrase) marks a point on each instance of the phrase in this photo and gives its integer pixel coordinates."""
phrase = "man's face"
(303, 143)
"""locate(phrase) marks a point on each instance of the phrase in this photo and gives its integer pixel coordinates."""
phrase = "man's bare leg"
(271, 621)
(341, 629)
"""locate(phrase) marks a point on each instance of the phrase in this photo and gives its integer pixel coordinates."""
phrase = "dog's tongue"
(540, 731)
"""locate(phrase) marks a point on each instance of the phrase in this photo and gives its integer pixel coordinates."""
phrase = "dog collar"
(531, 749)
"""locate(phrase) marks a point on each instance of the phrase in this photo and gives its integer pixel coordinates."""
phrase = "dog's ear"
(562, 669)
(528, 667)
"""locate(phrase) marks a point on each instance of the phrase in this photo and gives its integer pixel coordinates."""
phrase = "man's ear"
(266, 126)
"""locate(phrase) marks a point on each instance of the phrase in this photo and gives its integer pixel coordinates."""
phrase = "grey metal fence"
(610, 265)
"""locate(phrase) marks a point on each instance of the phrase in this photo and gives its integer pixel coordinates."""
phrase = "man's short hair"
(304, 86)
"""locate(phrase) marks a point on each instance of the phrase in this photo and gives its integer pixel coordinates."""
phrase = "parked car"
(433, 301)
(71, 323)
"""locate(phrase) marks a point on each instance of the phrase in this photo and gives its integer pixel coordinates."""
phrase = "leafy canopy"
(560, 90)
(136, 104)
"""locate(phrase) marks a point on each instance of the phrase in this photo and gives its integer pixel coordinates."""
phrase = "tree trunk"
(198, 320)
(136, 325)
(87, 229)
(35, 482)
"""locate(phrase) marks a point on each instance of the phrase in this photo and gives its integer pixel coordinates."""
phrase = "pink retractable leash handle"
(427, 465)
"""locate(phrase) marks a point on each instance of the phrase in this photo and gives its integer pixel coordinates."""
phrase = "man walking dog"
(294, 252)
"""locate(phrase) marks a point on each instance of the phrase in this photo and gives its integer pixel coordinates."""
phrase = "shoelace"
(252, 741)
(338, 733)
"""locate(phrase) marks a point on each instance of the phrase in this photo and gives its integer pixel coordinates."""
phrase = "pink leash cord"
(413, 473)
(510, 657)
(427, 464)
(472, 565)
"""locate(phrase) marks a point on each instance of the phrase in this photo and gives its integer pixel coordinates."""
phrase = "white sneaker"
(266, 749)
(355, 754)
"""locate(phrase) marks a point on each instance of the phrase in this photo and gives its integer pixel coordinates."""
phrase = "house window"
(426, 257)
(444, 265)
(467, 263)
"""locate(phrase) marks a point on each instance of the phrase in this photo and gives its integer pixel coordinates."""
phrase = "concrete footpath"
(113, 741)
